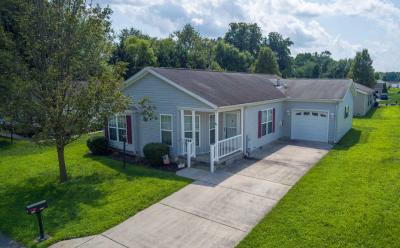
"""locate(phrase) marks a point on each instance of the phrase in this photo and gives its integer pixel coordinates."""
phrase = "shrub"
(153, 152)
(98, 145)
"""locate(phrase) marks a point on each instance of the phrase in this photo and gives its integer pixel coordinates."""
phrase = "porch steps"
(203, 161)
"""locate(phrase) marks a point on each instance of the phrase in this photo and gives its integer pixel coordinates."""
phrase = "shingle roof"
(364, 88)
(224, 88)
(311, 89)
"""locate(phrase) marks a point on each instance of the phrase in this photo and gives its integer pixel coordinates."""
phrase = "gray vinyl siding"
(291, 105)
(361, 106)
(344, 124)
(167, 99)
(252, 141)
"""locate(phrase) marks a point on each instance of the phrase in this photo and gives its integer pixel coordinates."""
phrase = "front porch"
(211, 137)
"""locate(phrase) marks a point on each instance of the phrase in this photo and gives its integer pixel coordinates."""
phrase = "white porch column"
(194, 132)
(216, 135)
(183, 130)
(242, 126)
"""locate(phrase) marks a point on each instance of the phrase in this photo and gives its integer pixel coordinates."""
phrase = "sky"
(341, 26)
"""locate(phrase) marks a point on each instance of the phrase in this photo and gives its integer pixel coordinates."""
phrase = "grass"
(99, 194)
(351, 198)
(394, 96)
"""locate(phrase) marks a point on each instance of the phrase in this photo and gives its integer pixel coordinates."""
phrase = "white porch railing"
(225, 148)
(228, 146)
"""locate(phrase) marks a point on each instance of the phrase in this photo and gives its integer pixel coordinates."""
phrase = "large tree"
(281, 47)
(140, 52)
(69, 86)
(266, 62)
(191, 49)
(244, 36)
(231, 59)
(362, 71)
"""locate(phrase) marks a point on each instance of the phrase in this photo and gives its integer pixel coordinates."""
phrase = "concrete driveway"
(216, 210)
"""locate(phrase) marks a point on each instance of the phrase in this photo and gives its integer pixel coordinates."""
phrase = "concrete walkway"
(216, 210)
(5, 241)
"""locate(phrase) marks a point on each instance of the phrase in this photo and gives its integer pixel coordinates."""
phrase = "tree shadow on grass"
(135, 170)
(4, 144)
(351, 139)
(64, 201)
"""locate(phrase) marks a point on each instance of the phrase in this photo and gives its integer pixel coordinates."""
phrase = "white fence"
(228, 146)
(224, 148)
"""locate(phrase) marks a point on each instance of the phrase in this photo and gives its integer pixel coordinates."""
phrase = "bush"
(153, 152)
(98, 145)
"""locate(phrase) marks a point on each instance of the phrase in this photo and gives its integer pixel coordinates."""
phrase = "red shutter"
(106, 128)
(273, 120)
(259, 124)
(129, 129)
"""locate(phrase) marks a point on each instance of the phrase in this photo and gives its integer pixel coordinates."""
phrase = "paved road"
(216, 210)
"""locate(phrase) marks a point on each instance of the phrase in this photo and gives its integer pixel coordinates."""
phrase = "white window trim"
(346, 107)
(210, 129)
(172, 129)
(266, 123)
(117, 128)
(189, 115)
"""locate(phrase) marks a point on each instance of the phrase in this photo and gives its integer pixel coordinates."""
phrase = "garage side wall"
(360, 104)
(289, 106)
(344, 124)
(251, 125)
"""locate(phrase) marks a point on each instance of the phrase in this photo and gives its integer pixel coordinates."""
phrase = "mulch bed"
(133, 160)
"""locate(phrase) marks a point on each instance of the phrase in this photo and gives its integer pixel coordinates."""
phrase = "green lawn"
(351, 198)
(394, 95)
(99, 195)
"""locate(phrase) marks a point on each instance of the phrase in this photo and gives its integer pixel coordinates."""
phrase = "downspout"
(336, 123)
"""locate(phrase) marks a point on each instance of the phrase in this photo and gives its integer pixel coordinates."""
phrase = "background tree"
(120, 54)
(281, 47)
(192, 51)
(231, 59)
(266, 62)
(70, 87)
(140, 52)
(165, 51)
(362, 71)
(244, 36)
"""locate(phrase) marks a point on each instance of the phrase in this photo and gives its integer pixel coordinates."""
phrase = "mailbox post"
(37, 208)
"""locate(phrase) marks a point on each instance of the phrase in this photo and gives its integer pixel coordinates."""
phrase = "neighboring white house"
(364, 100)
(223, 113)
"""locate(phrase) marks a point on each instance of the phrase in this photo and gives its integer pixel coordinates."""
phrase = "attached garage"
(310, 125)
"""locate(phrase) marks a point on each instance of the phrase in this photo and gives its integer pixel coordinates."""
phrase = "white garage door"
(310, 125)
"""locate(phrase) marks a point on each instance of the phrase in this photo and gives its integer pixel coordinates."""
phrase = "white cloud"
(297, 19)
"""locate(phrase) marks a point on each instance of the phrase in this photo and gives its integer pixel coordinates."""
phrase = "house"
(364, 100)
(216, 115)
(380, 87)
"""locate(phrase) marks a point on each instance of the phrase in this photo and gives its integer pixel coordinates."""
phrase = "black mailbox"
(36, 207)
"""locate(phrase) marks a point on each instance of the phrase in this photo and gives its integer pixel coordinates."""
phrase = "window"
(188, 128)
(298, 113)
(212, 129)
(306, 113)
(315, 114)
(117, 127)
(166, 129)
(346, 111)
(323, 115)
(266, 122)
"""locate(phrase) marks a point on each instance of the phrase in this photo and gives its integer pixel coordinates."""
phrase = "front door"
(230, 125)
